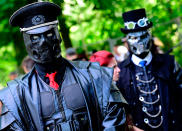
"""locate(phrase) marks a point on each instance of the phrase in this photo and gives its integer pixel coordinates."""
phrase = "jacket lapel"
(81, 76)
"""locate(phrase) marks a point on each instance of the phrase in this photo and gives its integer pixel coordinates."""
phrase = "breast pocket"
(73, 96)
(47, 104)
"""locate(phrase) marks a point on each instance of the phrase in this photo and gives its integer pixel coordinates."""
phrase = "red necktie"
(52, 83)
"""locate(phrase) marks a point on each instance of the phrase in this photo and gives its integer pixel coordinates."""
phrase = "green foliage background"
(90, 24)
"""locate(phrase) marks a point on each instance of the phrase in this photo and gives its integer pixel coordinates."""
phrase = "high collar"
(58, 66)
(50, 67)
(156, 58)
(136, 60)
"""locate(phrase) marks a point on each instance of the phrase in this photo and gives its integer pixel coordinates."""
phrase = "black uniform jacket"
(169, 79)
(30, 104)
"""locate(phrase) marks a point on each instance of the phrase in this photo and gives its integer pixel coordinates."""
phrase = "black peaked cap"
(35, 14)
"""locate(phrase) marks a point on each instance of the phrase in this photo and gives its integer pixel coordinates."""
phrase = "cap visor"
(39, 30)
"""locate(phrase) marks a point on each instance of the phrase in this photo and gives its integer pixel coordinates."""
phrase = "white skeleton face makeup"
(139, 42)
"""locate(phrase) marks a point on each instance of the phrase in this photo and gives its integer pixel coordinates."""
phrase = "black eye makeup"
(132, 37)
(144, 36)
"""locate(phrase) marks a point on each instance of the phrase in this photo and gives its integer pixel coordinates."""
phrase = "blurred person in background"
(107, 59)
(27, 64)
(13, 75)
(82, 56)
(120, 50)
(116, 53)
(125, 43)
(156, 44)
(57, 94)
(124, 53)
(150, 82)
(71, 54)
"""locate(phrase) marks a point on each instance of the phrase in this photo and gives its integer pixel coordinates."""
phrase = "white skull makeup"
(139, 42)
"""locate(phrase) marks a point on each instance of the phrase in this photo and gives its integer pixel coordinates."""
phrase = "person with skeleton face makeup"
(139, 43)
(150, 83)
(43, 44)
(57, 94)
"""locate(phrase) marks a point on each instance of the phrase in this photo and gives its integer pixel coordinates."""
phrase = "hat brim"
(39, 30)
(24, 15)
(125, 31)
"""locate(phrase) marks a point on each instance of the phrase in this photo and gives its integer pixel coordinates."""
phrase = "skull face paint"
(43, 47)
(139, 42)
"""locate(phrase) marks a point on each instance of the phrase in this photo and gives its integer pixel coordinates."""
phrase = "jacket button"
(141, 98)
(146, 120)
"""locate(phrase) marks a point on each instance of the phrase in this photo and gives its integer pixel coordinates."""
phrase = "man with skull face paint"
(43, 44)
(151, 83)
(57, 94)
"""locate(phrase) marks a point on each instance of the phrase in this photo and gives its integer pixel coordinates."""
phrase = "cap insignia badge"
(38, 19)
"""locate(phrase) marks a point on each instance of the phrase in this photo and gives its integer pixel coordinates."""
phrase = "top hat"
(35, 15)
(135, 20)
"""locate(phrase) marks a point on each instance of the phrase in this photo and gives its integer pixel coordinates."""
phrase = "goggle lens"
(141, 23)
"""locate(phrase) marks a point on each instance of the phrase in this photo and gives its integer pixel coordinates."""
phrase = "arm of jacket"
(177, 71)
(8, 120)
(177, 77)
(115, 118)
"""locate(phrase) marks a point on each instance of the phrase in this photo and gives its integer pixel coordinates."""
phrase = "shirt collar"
(136, 60)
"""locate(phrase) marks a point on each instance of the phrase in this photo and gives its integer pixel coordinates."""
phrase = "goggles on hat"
(141, 23)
